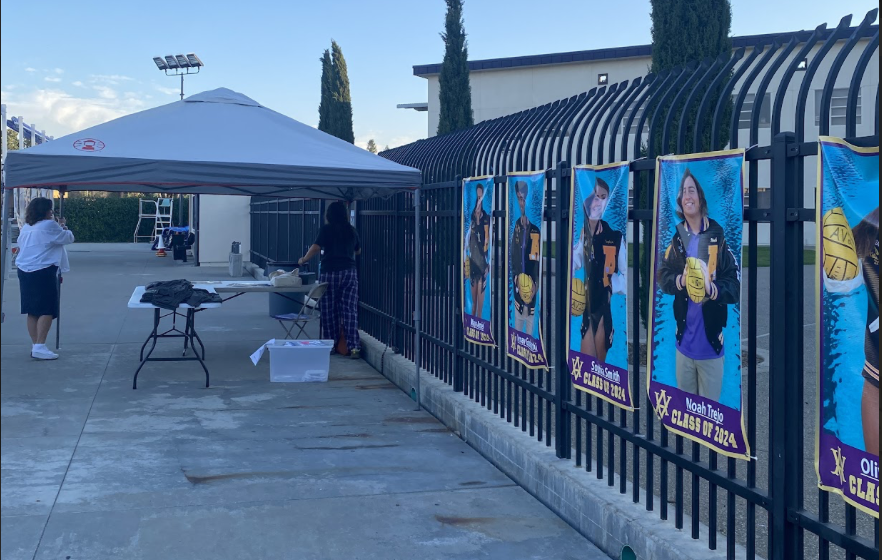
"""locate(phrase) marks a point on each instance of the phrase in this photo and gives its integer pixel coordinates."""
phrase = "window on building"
(838, 106)
(765, 114)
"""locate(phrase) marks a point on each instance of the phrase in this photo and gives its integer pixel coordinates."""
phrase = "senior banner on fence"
(694, 363)
(847, 444)
(597, 335)
(526, 202)
(477, 253)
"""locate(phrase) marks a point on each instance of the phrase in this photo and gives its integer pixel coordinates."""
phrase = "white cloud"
(29, 69)
(52, 79)
(166, 90)
(105, 92)
(79, 83)
(58, 71)
(110, 79)
(60, 112)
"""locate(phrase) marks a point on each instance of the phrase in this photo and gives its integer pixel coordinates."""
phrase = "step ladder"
(160, 211)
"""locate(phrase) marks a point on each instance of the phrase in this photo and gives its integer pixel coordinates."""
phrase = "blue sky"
(69, 65)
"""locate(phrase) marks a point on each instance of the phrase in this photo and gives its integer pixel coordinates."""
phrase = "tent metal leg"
(7, 206)
(417, 307)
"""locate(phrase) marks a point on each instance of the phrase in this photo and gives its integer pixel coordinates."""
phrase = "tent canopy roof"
(214, 142)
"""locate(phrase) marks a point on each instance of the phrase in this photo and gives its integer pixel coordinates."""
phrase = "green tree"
(455, 94)
(386, 149)
(11, 139)
(327, 88)
(683, 31)
(372, 146)
(341, 115)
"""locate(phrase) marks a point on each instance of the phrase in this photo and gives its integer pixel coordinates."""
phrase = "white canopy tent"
(191, 147)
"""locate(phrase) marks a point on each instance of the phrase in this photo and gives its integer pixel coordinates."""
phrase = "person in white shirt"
(41, 258)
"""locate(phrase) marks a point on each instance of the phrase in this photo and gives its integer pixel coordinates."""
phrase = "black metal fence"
(770, 505)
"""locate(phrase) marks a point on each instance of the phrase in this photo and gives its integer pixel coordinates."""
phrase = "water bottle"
(235, 248)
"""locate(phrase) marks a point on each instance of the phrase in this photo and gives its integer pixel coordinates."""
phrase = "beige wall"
(222, 220)
(496, 93)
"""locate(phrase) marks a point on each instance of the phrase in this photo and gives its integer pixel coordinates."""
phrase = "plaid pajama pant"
(340, 303)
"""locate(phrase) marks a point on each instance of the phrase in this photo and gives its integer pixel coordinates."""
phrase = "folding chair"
(308, 313)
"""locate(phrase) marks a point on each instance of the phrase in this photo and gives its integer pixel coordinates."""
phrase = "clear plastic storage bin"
(300, 361)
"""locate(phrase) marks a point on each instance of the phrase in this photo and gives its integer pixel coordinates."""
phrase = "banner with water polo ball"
(598, 287)
(477, 259)
(694, 359)
(847, 303)
(526, 203)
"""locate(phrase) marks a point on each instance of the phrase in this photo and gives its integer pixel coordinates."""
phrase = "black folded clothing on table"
(172, 293)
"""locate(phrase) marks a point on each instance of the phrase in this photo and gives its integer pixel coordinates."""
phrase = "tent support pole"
(7, 207)
(417, 306)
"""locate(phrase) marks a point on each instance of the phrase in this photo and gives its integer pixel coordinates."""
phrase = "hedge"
(108, 220)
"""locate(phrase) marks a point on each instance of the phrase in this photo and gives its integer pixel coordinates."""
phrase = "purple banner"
(850, 472)
(593, 376)
(526, 349)
(700, 419)
(477, 330)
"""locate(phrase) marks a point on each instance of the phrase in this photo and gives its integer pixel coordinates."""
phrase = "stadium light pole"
(180, 65)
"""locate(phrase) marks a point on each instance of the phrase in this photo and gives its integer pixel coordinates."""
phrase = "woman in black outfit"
(338, 242)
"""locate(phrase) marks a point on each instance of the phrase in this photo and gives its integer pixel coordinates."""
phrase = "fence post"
(458, 338)
(561, 344)
(785, 351)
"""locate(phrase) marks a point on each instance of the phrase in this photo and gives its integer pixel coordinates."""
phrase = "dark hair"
(478, 199)
(702, 201)
(866, 234)
(38, 209)
(602, 184)
(336, 213)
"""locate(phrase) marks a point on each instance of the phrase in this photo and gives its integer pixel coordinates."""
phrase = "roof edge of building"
(613, 53)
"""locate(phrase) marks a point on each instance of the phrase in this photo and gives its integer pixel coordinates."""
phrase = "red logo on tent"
(88, 145)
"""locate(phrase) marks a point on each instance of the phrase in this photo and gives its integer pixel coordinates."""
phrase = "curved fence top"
(741, 98)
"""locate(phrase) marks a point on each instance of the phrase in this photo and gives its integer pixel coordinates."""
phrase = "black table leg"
(154, 337)
(191, 333)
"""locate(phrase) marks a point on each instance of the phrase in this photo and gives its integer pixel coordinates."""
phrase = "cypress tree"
(372, 146)
(683, 31)
(341, 116)
(327, 97)
(455, 94)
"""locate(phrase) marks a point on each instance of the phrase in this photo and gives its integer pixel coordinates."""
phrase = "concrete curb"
(606, 518)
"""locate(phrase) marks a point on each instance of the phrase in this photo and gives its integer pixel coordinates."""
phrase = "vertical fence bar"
(562, 391)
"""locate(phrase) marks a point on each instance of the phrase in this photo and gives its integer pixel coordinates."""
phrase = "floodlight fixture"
(802, 65)
(602, 79)
(179, 65)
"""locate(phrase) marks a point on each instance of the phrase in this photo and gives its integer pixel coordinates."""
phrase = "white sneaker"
(43, 354)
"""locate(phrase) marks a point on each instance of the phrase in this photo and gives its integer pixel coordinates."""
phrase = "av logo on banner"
(694, 359)
(847, 445)
(526, 202)
(477, 251)
(597, 334)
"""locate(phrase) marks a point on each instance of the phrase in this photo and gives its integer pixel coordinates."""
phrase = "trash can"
(288, 303)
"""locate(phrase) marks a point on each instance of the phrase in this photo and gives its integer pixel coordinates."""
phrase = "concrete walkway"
(246, 469)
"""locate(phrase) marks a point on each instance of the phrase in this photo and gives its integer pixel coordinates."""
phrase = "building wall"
(222, 220)
(496, 93)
